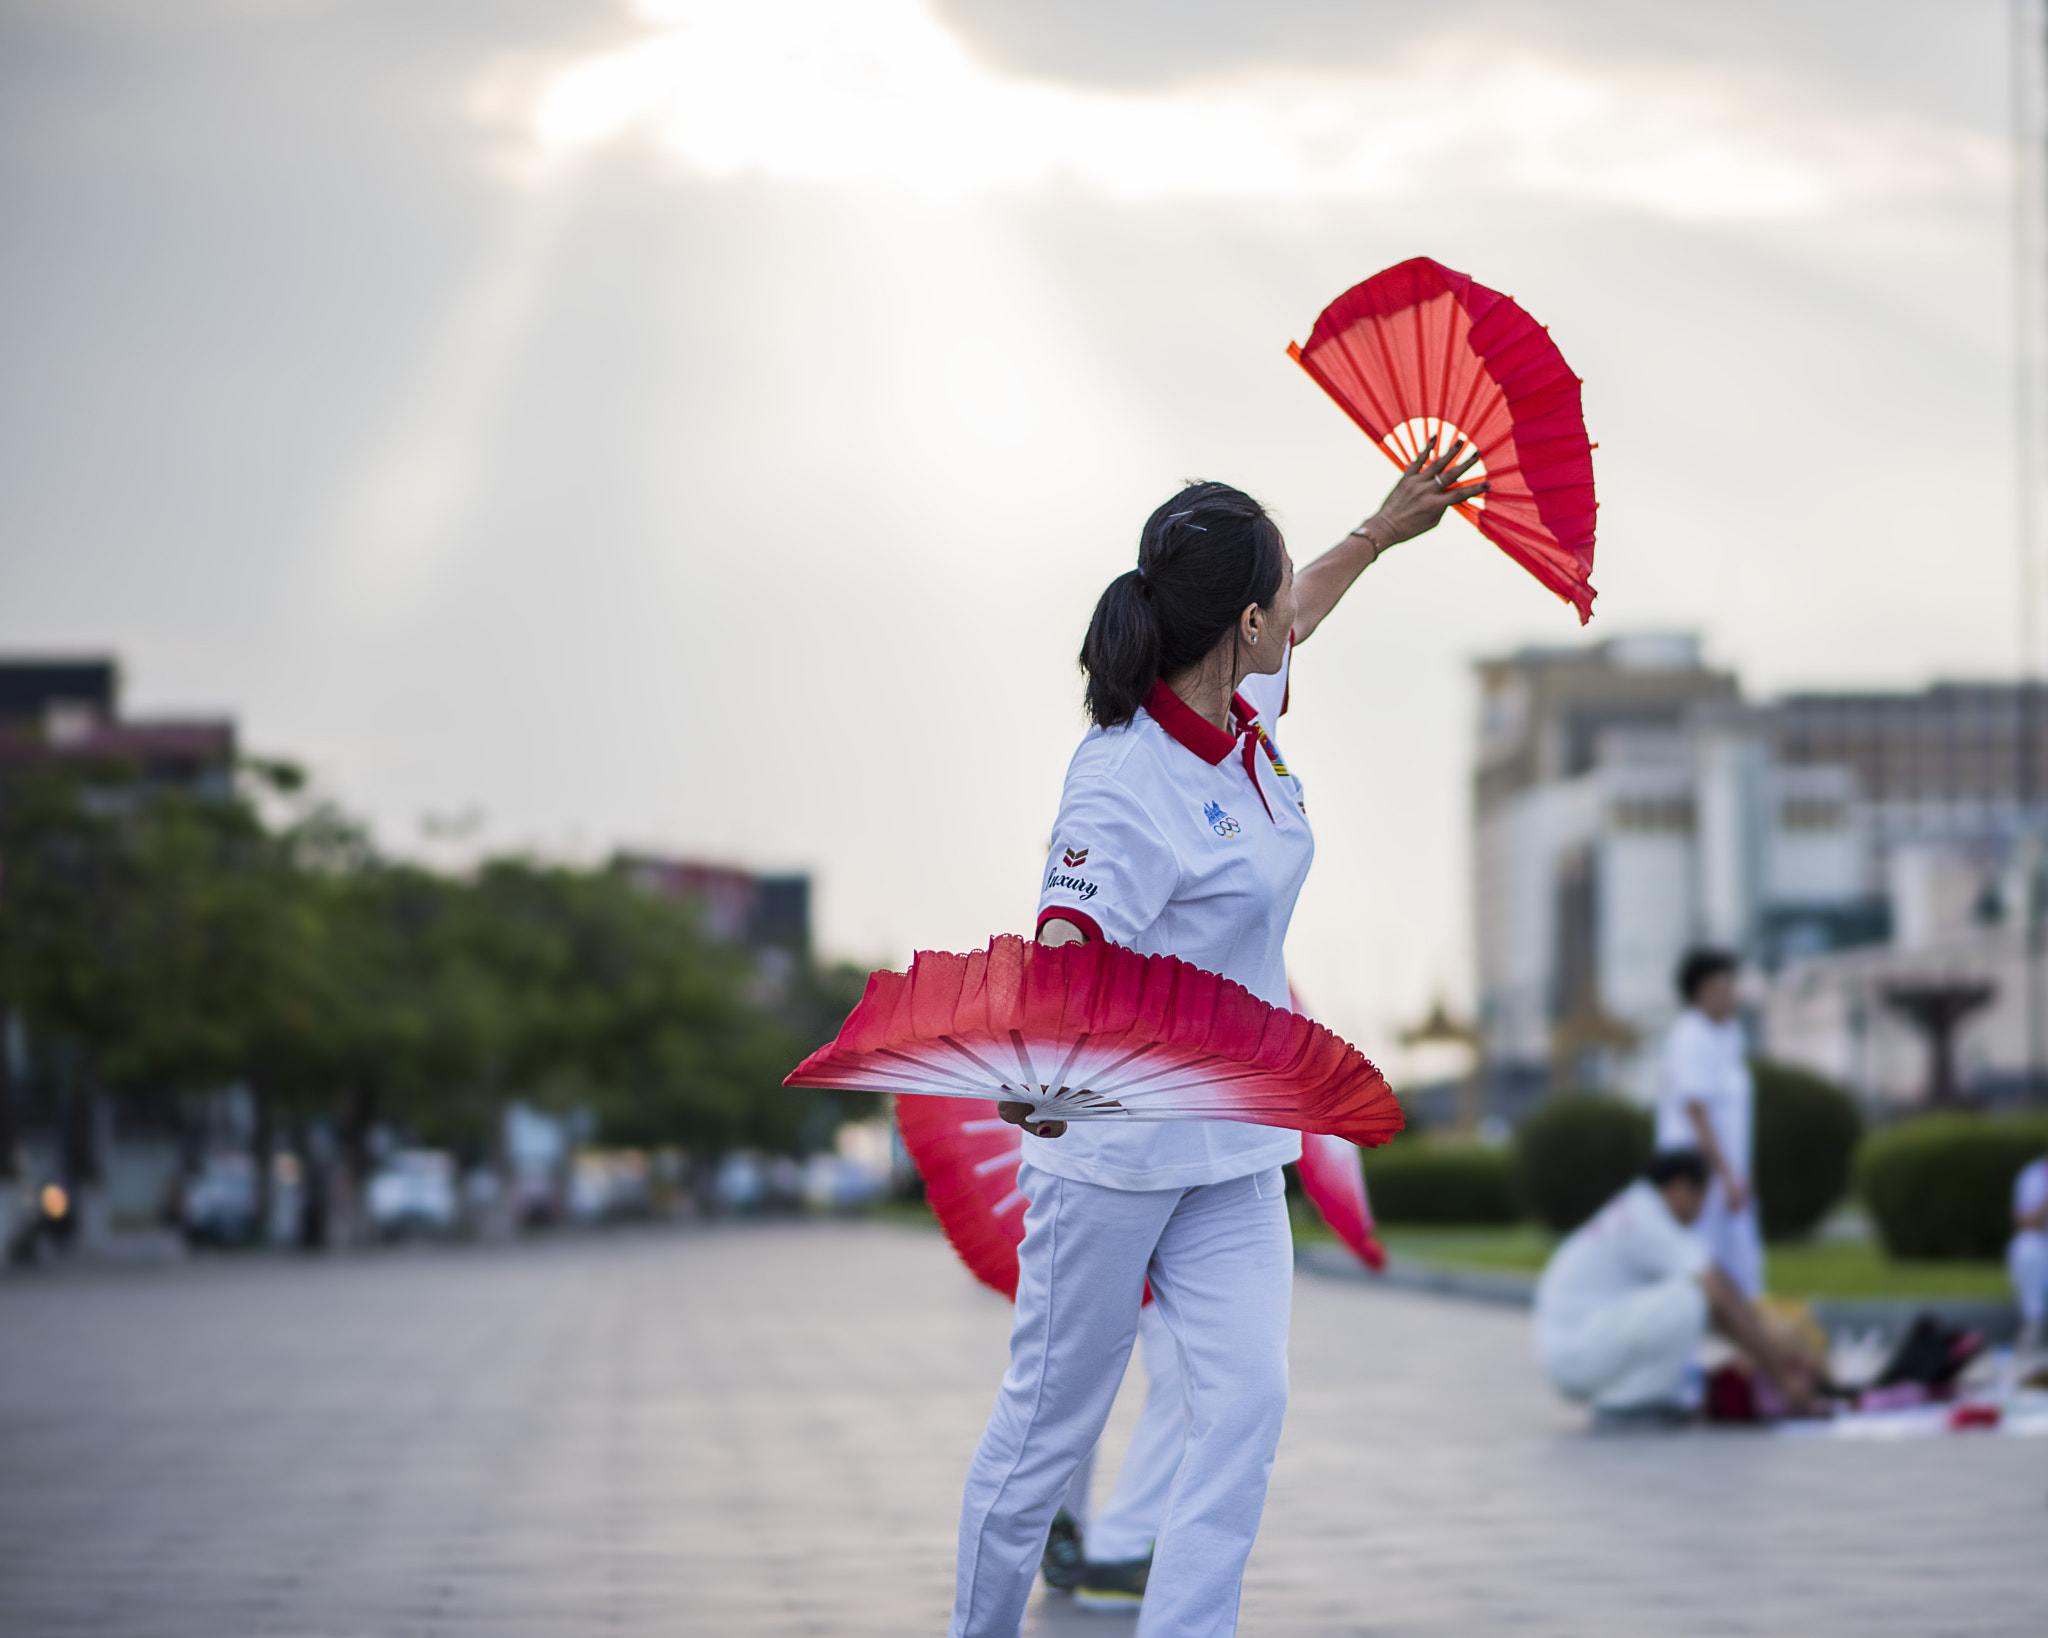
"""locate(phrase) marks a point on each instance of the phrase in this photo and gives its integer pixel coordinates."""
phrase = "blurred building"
(737, 906)
(1629, 802)
(68, 710)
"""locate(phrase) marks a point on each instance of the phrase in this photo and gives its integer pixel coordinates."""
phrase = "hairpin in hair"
(1197, 527)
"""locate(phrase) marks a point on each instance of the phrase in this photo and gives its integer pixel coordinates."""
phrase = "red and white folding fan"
(968, 1156)
(1418, 351)
(1335, 1184)
(1330, 1177)
(1095, 1031)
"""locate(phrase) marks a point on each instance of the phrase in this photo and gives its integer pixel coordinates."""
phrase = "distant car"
(220, 1203)
(742, 1184)
(604, 1187)
(415, 1192)
(835, 1183)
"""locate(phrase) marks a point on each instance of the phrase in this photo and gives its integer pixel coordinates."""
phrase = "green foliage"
(178, 940)
(1576, 1152)
(1807, 1129)
(1941, 1186)
(1424, 1182)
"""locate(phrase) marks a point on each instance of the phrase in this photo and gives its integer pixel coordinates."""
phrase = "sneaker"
(1119, 1586)
(1062, 1562)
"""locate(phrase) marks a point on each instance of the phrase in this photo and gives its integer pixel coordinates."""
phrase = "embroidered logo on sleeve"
(1056, 883)
(1076, 857)
(1220, 822)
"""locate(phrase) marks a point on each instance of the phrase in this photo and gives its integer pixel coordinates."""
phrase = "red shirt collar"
(1192, 729)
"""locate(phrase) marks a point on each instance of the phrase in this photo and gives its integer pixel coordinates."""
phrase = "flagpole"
(2028, 43)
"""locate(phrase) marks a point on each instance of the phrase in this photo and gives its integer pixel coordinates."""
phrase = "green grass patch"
(1521, 1248)
(1859, 1268)
(1841, 1269)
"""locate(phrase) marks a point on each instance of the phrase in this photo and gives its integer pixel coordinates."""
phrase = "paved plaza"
(759, 1430)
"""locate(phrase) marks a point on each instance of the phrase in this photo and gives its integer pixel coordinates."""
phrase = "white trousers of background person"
(1733, 1240)
(1128, 1525)
(1633, 1350)
(1130, 1522)
(1221, 1262)
(2026, 1261)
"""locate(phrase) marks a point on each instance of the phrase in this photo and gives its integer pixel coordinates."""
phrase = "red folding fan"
(1331, 1178)
(1095, 1031)
(1335, 1185)
(1419, 351)
(968, 1156)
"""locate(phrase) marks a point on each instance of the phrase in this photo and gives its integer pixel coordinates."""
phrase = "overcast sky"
(706, 424)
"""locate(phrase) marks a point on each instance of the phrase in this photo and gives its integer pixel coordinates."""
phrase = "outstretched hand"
(1424, 493)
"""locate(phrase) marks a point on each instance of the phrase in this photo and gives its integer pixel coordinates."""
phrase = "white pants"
(1633, 1351)
(1221, 1263)
(1733, 1240)
(2026, 1260)
(1130, 1523)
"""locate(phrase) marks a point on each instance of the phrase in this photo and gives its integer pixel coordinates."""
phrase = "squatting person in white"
(1706, 1100)
(1624, 1302)
(1181, 831)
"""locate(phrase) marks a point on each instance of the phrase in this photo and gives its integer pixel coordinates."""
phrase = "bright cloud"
(863, 92)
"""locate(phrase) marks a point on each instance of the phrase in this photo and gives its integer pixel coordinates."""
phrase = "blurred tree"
(186, 942)
(78, 878)
(618, 1000)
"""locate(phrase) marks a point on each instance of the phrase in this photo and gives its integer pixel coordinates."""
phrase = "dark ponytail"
(1202, 558)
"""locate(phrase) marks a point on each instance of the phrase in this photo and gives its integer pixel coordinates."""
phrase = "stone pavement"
(763, 1430)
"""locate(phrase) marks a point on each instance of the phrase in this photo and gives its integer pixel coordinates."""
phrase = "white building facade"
(1629, 804)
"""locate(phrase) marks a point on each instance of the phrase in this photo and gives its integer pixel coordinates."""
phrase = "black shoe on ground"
(1655, 1416)
(1118, 1586)
(1063, 1560)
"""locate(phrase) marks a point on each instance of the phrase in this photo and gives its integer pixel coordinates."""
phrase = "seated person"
(2026, 1258)
(1624, 1302)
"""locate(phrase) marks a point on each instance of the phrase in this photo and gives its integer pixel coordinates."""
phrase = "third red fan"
(1420, 351)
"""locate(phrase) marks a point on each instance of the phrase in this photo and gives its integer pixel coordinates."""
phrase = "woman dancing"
(1181, 832)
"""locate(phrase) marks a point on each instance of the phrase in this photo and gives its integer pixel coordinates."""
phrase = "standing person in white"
(2026, 1254)
(1706, 1100)
(1181, 831)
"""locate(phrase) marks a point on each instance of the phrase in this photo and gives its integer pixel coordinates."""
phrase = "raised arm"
(1415, 505)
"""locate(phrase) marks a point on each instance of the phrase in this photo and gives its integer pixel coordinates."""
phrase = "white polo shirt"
(1175, 838)
(1707, 1063)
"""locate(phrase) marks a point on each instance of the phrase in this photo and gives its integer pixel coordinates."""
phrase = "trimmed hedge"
(1578, 1151)
(1807, 1129)
(1941, 1186)
(1421, 1182)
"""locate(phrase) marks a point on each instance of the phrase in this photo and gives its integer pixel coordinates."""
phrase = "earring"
(1255, 637)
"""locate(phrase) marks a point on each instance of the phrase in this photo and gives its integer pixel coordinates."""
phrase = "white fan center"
(1410, 438)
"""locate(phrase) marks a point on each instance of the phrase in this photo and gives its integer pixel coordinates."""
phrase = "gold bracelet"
(1379, 547)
